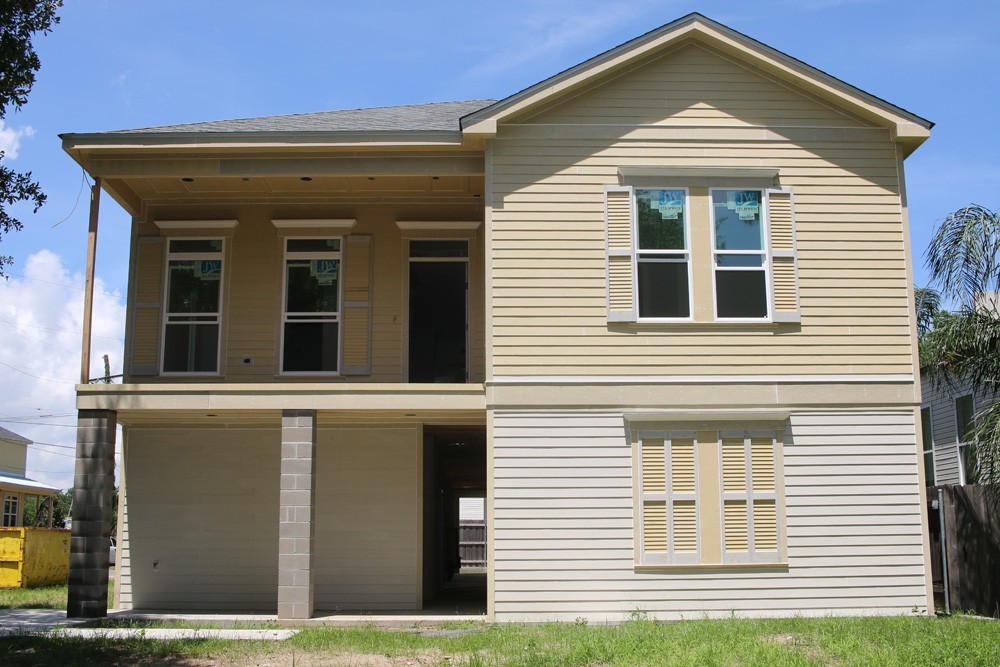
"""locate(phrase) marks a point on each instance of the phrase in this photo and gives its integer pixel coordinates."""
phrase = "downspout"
(88, 302)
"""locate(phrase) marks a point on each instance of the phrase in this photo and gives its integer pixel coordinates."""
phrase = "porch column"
(297, 527)
(93, 491)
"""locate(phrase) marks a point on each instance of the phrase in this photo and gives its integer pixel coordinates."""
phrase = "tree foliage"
(19, 21)
(961, 349)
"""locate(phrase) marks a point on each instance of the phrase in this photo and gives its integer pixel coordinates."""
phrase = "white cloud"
(41, 317)
(10, 139)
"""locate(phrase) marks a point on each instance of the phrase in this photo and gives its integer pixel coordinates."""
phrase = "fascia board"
(698, 28)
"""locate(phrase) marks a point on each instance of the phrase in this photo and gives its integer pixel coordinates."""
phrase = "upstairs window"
(965, 424)
(739, 254)
(663, 257)
(311, 315)
(927, 431)
(193, 309)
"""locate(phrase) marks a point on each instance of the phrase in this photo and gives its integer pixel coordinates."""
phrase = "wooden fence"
(971, 549)
(472, 543)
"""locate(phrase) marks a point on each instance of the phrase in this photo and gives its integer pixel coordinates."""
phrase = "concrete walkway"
(53, 622)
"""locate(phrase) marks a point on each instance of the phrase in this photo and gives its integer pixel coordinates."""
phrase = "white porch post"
(297, 527)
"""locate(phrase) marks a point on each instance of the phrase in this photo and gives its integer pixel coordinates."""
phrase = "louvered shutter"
(654, 489)
(145, 327)
(749, 497)
(357, 306)
(784, 260)
(620, 242)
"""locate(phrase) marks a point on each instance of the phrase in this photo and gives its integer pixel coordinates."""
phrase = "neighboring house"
(658, 307)
(14, 486)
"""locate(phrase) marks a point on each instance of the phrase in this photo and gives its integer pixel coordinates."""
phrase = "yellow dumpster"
(33, 557)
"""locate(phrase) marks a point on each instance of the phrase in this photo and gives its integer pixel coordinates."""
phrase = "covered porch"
(233, 501)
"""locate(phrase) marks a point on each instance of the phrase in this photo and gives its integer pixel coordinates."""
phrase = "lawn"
(884, 642)
(43, 597)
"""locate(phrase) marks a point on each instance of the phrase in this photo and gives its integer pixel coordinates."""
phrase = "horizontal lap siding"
(547, 243)
(203, 519)
(563, 524)
(366, 519)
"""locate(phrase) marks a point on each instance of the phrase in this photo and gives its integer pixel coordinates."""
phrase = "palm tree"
(963, 347)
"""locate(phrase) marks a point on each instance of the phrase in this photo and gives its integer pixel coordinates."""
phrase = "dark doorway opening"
(438, 321)
(454, 467)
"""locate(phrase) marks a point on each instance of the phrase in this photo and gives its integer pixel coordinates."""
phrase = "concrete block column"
(93, 492)
(297, 515)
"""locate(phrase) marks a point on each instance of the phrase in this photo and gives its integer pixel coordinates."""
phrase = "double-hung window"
(11, 511)
(965, 424)
(663, 254)
(740, 254)
(709, 497)
(193, 307)
(311, 315)
(927, 433)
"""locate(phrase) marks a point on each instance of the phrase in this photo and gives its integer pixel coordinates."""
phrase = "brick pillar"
(297, 528)
(93, 491)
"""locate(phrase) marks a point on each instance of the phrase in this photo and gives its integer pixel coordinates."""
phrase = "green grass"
(43, 597)
(839, 642)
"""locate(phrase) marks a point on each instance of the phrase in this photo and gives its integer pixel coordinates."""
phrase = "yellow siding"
(695, 108)
(253, 274)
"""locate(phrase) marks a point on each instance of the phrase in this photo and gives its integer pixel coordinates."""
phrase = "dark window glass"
(312, 285)
(927, 428)
(660, 216)
(737, 219)
(191, 348)
(741, 294)
(739, 260)
(965, 417)
(313, 245)
(310, 347)
(443, 248)
(194, 286)
(663, 289)
(196, 245)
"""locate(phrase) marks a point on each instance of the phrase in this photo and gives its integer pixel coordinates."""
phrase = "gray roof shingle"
(438, 116)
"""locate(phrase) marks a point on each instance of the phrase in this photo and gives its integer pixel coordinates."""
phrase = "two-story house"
(658, 307)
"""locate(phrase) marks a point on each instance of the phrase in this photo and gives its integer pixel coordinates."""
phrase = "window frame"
(927, 436)
(338, 315)
(962, 446)
(765, 253)
(687, 251)
(165, 319)
(12, 510)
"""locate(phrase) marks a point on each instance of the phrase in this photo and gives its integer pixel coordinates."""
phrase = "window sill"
(714, 567)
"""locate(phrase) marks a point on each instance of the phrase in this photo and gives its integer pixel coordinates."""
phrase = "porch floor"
(463, 599)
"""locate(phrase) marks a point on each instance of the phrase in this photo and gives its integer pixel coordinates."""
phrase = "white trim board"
(701, 379)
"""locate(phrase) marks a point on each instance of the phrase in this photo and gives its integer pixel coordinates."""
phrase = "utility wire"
(76, 331)
(83, 182)
(37, 377)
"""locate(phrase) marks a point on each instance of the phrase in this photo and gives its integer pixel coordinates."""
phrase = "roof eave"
(695, 26)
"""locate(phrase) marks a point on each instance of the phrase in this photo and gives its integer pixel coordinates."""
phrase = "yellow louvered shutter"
(750, 498)
(357, 307)
(618, 214)
(737, 529)
(683, 489)
(784, 259)
(654, 526)
(144, 325)
(653, 467)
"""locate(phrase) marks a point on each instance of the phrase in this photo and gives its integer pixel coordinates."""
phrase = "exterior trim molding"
(317, 223)
(700, 379)
(195, 224)
(425, 225)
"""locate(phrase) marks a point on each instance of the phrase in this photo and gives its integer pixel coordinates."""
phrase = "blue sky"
(114, 64)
